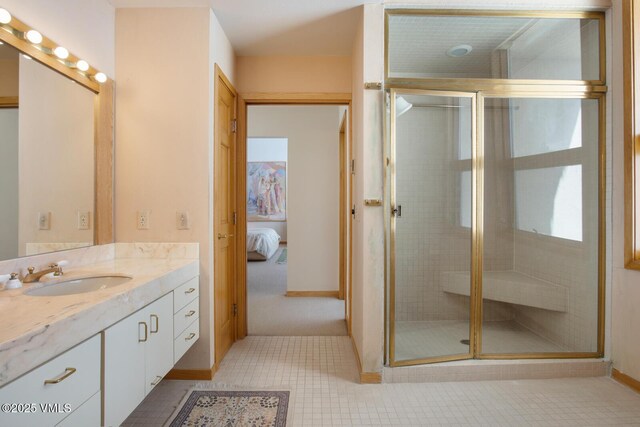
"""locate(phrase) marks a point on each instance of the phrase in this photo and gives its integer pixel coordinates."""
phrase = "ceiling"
(278, 27)
(418, 44)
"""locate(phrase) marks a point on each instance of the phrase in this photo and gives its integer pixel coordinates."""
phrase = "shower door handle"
(397, 211)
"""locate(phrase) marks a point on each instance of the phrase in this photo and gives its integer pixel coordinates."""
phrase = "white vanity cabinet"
(137, 354)
(72, 378)
(186, 320)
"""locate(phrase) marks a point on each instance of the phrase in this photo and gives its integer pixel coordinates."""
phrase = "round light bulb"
(61, 52)
(34, 37)
(101, 77)
(82, 65)
(5, 16)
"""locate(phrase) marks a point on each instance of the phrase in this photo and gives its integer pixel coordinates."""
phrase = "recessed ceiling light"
(460, 50)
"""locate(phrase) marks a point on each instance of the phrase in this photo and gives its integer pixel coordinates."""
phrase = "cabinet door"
(159, 348)
(124, 367)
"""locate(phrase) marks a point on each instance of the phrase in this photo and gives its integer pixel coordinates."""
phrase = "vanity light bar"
(33, 43)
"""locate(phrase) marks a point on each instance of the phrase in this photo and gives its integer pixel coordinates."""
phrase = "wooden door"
(224, 215)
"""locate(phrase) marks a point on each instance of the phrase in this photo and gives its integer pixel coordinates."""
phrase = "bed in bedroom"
(262, 243)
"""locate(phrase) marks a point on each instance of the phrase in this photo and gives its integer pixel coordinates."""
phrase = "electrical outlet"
(143, 220)
(44, 220)
(182, 220)
(83, 220)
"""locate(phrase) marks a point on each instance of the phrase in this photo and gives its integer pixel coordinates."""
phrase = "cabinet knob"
(190, 313)
(190, 290)
(190, 337)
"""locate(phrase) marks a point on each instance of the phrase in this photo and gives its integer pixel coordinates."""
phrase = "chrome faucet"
(33, 276)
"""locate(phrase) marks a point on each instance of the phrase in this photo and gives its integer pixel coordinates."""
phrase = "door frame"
(267, 98)
(475, 220)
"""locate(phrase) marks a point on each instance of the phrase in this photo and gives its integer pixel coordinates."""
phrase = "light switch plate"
(44, 220)
(143, 220)
(182, 220)
(83, 220)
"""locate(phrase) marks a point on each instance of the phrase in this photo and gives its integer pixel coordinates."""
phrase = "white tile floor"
(321, 374)
(422, 339)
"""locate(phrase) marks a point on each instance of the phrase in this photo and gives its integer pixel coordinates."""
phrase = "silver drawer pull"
(190, 337)
(67, 373)
(154, 316)
(191, 313)
(157, 381)
(146, 331)
(190, 290)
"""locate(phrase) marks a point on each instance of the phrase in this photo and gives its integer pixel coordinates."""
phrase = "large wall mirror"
(56, 158)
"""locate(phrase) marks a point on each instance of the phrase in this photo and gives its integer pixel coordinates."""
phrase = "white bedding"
(264, 241)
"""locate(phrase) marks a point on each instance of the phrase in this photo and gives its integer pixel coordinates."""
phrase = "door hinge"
(353, 211)
(397, 211)
(353, 166)
(234, 126)
(235, 218)
(235, 309)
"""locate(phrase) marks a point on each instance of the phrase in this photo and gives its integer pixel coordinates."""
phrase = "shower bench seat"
(511, 287)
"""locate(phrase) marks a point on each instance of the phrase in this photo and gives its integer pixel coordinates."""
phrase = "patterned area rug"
(282, 259)
(233, 408)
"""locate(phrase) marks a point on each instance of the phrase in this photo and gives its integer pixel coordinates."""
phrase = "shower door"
(432, 254)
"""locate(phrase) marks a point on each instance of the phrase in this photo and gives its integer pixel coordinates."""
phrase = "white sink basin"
(80, 285)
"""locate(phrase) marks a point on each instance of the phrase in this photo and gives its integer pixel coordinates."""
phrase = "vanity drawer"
(186, 316)
(73, 377)
(184, 294)
(88, 415)
(186, 340)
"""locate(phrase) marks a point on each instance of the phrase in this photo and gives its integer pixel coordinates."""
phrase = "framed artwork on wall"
(266, 191)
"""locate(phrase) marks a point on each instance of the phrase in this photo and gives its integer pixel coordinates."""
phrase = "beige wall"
(56, 171)
(313, 189)
(164, 134)
(368, 232)
(294, 74)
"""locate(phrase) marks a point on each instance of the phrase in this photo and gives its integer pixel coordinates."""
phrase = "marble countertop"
(34, 329)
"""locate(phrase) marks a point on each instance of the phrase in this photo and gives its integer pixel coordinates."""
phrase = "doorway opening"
(296, 219)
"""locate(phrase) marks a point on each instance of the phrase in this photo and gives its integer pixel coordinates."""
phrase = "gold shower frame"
(478, 90)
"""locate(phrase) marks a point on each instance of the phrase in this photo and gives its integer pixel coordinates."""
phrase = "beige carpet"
(270, 312)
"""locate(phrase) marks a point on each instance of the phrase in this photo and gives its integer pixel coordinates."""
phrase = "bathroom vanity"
(89, 358)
